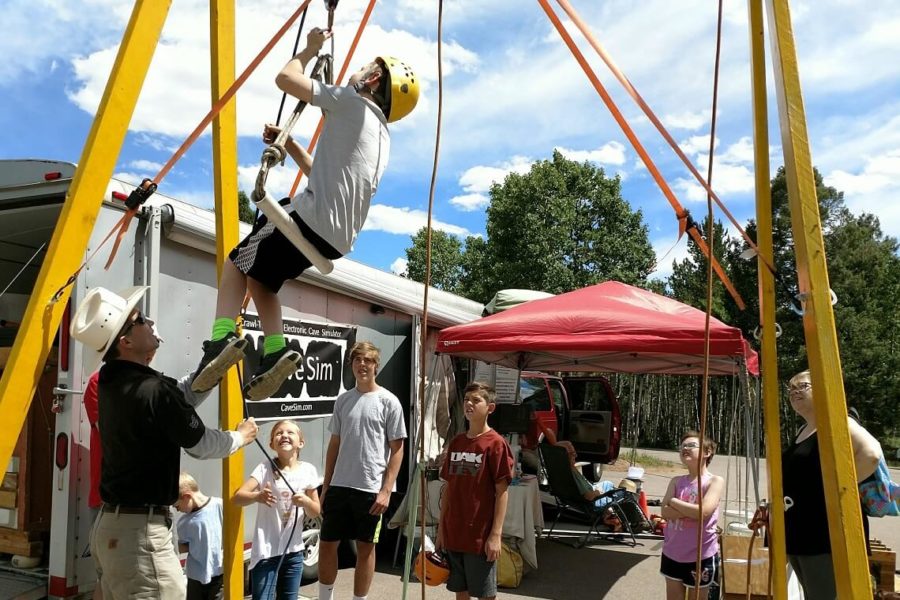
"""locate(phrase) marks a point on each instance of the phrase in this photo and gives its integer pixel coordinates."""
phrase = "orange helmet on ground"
(432, 568)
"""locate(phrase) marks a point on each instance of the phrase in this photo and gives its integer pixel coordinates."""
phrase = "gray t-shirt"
(365, 424)
(350, 158)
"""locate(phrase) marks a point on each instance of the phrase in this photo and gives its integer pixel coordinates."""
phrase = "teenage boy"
(477, 469)
(330, 212)
(361, 465)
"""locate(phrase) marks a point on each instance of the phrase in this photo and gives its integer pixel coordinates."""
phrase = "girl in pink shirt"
(681, 509)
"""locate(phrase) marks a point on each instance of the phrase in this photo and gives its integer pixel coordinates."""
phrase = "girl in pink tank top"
(680, 508)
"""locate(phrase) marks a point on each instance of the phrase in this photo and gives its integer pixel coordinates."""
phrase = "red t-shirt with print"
(471, 469)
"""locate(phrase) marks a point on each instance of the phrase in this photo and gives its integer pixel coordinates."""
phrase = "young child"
(330, 212)
(680, 507)
(477, 469)
(285, 495)
(200, 535)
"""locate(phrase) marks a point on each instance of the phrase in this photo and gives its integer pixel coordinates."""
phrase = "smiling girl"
(682, 509)
(285, 495)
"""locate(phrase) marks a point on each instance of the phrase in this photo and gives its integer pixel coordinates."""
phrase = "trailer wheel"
(311, 528)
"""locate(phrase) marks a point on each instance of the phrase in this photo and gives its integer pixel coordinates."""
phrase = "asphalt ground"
(604, 569)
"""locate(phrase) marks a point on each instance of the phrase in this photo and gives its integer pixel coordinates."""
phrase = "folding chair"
(565, 492)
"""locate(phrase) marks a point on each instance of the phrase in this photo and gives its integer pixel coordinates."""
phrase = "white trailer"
(171, 247)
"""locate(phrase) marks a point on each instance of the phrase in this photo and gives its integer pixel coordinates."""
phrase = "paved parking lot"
(603, 570)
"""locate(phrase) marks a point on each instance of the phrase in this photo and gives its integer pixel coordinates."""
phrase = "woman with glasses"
(805, 518)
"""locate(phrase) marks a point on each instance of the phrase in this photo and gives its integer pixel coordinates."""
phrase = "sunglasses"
(690, 446)
(800, 387)
(139, 319)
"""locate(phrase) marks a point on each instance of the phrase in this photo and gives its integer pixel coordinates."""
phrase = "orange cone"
(642, 502)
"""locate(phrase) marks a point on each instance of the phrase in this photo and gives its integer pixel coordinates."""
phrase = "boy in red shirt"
(477, 469)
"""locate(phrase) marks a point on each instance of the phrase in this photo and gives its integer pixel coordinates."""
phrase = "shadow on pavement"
(566, 572)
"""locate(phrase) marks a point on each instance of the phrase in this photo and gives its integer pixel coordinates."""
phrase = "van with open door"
(583, 410)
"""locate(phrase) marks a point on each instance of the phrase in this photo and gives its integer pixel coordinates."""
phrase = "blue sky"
(512, 93)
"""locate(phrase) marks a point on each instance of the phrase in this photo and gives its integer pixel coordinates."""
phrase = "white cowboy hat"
(99, 318)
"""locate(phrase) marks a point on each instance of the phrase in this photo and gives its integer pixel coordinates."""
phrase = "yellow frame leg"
(76, 221)
(848, 550)
(224, 130)
(765, 244)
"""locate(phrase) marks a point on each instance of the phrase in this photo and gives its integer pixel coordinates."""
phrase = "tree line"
(564, 225)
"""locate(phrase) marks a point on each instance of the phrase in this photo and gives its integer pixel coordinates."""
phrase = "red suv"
(581, 409)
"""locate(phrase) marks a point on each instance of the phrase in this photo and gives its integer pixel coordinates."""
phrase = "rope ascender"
(275, 153)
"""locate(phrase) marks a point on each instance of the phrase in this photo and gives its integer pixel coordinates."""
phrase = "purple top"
(681, 534)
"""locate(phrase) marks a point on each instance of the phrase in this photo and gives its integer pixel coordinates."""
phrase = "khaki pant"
(136, 558)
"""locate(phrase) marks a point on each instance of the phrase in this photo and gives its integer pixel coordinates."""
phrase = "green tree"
(245, 212)
(563, 226)
(446, 259)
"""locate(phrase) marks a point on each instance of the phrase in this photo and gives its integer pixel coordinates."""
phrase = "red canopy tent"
(610, 327)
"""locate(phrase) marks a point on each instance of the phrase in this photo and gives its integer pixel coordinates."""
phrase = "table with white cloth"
(524, 517)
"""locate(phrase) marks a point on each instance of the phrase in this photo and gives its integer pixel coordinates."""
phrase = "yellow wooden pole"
(765, 245)
(224, 130)
(838, 471)
(76, 221)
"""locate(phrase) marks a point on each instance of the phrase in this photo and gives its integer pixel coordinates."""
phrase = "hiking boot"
(218, 357)
(273, 370)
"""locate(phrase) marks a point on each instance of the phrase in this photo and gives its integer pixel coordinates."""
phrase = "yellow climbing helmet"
(404, 88)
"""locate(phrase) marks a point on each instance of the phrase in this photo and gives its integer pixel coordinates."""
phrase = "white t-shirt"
(349, 161)
(365, 423)
(274, 523)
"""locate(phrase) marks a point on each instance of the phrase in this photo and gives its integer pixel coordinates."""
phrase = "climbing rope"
(340, 78)
(630, 89)
(704, 396)
(685, 222)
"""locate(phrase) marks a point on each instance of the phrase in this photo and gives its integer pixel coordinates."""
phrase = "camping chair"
(565, 492)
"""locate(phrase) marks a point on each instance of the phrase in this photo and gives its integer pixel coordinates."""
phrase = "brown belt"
(157, 509)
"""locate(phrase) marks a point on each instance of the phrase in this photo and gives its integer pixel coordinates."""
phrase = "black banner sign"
(323, 374)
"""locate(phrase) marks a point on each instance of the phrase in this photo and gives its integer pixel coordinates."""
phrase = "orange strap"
(340, 77)
(626, 83)
(639, 148)
(121, 228)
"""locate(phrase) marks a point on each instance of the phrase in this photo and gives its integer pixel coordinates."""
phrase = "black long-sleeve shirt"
(144, 422)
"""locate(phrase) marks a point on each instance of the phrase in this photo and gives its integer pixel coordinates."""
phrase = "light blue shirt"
(201, 530)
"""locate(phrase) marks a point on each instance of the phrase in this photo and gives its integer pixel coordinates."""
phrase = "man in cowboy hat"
(145, 420)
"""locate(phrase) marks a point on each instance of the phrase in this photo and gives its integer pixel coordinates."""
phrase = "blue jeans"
(264, 580)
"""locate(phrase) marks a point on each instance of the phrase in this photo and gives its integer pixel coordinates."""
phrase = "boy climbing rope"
(330, 212)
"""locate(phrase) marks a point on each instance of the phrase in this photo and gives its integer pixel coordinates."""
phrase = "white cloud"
(696, 144)
(470, 202)
(611, 153)
(145, 166)
(176, 93)
(399, 266)
(479, 179)
(668, 249)
(874, 189)
(727, 179)
(686, 120)
(278, 183)
(405, 221)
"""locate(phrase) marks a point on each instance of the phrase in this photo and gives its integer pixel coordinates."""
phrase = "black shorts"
(270, 258)
(472, 573)
(684, 572)
(345, 516)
